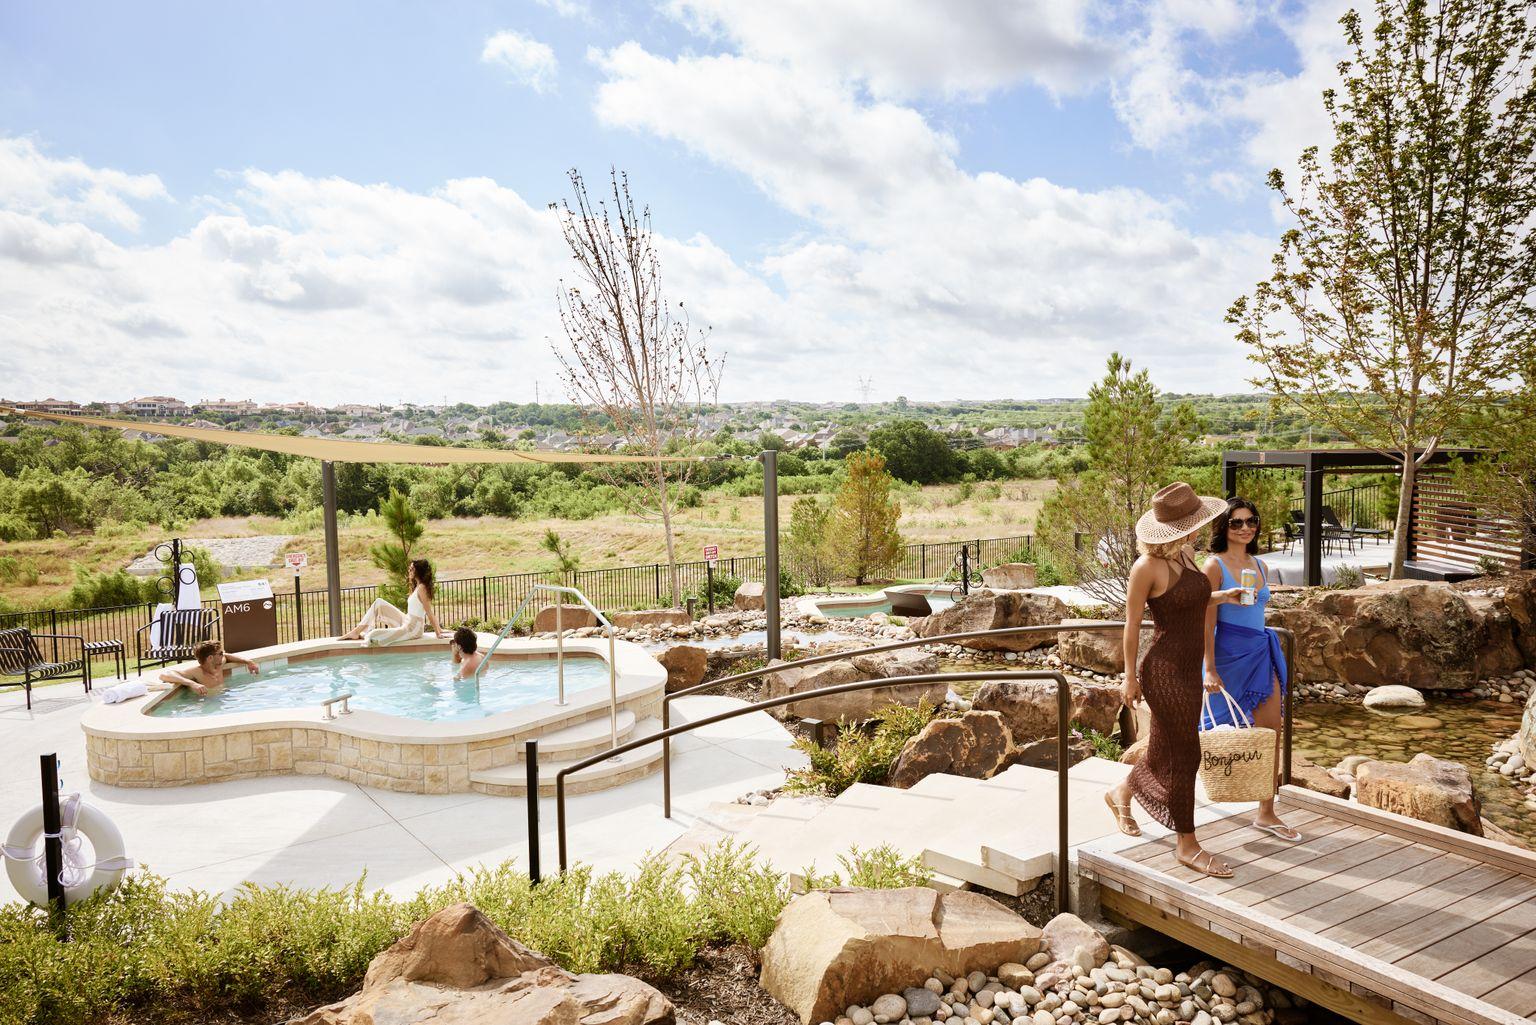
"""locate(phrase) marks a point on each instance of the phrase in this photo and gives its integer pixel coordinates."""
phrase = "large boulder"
(458, 968)
(572, 617)
(749, 597)
(1011, 576)
(685, 665)
(862, 704)
(977, 744)
(649, 618)
(1308, 776)
(994, 610)
(1520, 601)
(1420, 634)
(1029, 706)
(1098, 651)
(832, 949)
(1065, 933)
(1393, 696)
(1426, 788)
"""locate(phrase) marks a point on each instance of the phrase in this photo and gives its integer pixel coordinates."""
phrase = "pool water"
(414, 685)
(935, 602)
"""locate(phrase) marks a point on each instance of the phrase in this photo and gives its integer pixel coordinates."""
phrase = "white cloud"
(531, 62)
(33, 182)
(904, 47)
(578, 9)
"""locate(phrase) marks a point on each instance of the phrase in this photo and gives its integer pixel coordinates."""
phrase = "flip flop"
(1279, 832)
(1210, 869)
(1124, 820)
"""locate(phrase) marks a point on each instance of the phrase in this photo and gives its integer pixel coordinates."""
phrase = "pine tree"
(394, 557)
(808, 548)
(864, 517)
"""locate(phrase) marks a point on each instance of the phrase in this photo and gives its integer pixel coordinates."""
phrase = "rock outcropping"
(458, 967)
(572, 617)
(833, 949)
(1029, 706)
(649, 618)
(1527, 734)
(976, 744)
(749, 597)
(1010, 576)
(1098, 651)
(1424, 635)
(857, 705)
(994, 610)
(685, 665)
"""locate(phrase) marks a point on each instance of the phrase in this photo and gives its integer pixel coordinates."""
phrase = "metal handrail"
(1063, 715)
(613, 671)
(1063, 712)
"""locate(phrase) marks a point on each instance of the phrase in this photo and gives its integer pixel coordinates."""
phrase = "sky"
(350, 201)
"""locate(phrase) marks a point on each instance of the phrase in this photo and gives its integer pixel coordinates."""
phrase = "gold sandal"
(1124, 820)
(1210, 869)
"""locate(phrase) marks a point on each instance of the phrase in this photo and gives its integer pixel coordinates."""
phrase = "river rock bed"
(1121, 989)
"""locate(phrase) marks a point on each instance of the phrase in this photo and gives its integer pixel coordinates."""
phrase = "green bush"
(147, 953)
(1103, 747)
(105, 590)
(724, 588)
(858, 757)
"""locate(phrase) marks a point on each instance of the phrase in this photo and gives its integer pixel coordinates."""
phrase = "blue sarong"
(1248, 660)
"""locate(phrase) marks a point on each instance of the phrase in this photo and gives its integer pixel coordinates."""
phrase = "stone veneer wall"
(426, 768)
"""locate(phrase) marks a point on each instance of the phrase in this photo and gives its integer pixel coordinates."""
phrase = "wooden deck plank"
(1499, 968)
(1489, 852)
(1479, 939)
(1450, 920)
(1209, 831)
(1411, 908)
(1341, 872)
(1241, 845)
(1294, 947)
(1518, 995)
(1401, 873)
(1295, 865)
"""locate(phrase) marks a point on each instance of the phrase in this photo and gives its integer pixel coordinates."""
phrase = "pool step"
(573, 743)
(512, 780)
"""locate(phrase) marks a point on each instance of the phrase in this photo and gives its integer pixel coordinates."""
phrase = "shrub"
(858, 757)
(105, 590)
(1103, 747)
(724, 588)
(14, 528)
(21, 572)
(1347, 578)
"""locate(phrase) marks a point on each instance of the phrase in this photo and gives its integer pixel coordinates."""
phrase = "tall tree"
(809, 548)
(394, 557)
(1087, 526)
(633, 362)
(864, 517)
(1400, 298)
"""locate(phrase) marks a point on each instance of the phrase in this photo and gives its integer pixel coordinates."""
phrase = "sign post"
(711, 556)
(297, 561)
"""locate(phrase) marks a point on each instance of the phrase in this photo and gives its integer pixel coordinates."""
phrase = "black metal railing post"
(298, 605)
(531, 756)
(709, 586)
(485, 599)
(53, 844)
(1288, 647)
(965, 568)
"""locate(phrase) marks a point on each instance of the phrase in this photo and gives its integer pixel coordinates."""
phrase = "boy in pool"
(465, 654)
(211, 659)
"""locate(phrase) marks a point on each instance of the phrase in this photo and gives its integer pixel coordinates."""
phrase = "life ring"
(24, 858)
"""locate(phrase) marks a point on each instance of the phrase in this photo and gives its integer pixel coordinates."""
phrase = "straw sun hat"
(1176, 512)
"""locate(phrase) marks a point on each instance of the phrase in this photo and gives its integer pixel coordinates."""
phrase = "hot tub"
(411, 728)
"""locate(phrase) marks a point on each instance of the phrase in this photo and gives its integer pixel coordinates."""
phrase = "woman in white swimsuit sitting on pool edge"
(385, 624)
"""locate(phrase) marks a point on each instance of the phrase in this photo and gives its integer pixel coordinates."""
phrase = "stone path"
(227, 552)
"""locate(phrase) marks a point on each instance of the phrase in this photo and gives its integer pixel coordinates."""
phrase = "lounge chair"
(20, 656)
(1336, 530)
(180, 630)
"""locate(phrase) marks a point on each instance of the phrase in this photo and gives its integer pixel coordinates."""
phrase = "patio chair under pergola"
(1447, 535)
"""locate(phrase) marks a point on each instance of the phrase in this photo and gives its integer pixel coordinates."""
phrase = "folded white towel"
(123, 691)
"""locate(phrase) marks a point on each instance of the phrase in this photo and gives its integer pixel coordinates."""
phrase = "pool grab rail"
(1063, 716)
(613, 671)
(346, 708)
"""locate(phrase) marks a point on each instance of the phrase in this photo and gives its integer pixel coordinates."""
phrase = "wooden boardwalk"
(1376, 916)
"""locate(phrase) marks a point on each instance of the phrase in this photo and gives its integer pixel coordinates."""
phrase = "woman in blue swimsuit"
(1241, 653)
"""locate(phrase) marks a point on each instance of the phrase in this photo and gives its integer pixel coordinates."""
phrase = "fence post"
(965, 569)
(53, 628)
(923, 570)
(656, 571)
(53, 846)
(485, 599)
(531, 756)
(709, 586)
(298, 604)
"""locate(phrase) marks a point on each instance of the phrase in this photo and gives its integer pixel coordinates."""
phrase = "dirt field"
(470, 547)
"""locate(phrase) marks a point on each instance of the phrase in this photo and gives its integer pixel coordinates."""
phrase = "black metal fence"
(303, 613)
(1355, 507)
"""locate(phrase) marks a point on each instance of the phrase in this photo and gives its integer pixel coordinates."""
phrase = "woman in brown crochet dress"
(1166, 580)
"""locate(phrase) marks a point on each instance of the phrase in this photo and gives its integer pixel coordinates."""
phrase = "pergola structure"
(336, 450)
(1445, 532)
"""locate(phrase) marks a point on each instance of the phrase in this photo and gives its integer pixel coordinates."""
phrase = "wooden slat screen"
(1449, 527)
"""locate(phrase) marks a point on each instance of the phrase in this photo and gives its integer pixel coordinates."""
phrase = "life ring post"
(53, 844)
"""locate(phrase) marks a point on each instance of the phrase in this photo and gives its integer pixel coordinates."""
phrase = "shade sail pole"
(332, 547)
(771, 548)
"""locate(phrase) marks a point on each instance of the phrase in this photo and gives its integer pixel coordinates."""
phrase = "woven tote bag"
(1236, 764)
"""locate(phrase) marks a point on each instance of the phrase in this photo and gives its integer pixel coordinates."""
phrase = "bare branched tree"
(632, 362)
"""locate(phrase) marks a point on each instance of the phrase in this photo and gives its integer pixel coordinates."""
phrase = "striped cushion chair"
(21, 656)
(180, 631)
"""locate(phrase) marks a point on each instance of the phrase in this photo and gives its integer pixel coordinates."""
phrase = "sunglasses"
(1246, 523)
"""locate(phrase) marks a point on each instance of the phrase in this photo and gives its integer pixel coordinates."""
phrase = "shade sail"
(337, 450)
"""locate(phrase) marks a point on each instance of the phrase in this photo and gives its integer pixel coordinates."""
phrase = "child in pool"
(211, 659)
